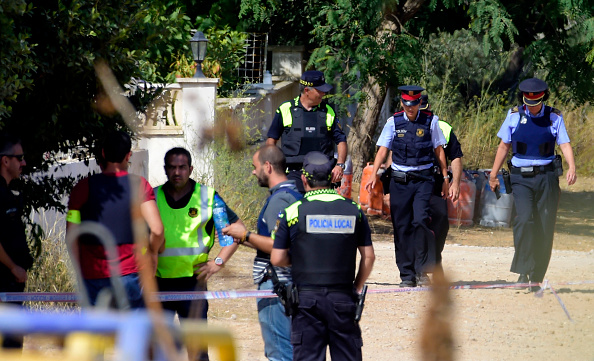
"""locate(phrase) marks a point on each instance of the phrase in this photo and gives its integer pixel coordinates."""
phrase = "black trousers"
(536, 200)
(440, 226)
(326, 319)
(8, 284)
(409, 207)
(197, 309)
(295, 175)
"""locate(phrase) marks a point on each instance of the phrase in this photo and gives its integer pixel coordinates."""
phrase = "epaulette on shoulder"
(428, 113)
(556, 111)
(400, 112)
(514, 109)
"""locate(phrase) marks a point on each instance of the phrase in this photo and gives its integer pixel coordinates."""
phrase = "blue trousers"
(131, 285)
(326, 319)
(275, 326)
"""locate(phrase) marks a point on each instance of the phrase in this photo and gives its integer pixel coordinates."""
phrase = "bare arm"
(337, 172)
(441, 160)
(571, 176)
(280, 257)
(271, 141)
(206, 270)
(365, 266)
(238, 231)
(150, 213)
(380, 157)
(456, 178)
(502, 151)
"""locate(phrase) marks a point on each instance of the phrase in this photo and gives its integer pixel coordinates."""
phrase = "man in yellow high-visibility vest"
(186, 208)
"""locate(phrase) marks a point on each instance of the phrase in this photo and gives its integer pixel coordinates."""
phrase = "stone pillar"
(198, 116)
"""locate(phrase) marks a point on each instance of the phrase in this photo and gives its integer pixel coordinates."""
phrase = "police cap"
(424, 102)
(534, 91)
(315, 79)
(317, 166)
(410, 94)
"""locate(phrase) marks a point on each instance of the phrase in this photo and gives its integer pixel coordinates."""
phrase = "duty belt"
(343, 289)
(403, 177)
(532, 170)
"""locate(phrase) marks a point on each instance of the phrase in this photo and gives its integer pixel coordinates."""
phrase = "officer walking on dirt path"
(531, 131)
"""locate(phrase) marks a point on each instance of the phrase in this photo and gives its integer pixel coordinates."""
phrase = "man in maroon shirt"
(107, 198)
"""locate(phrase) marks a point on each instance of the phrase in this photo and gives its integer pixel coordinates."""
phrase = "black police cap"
(534, 91)
(315, 79)
(410, 94)
(316, 165)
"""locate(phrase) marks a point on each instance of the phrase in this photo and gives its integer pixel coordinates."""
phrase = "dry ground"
(495, 324)
(487, 324)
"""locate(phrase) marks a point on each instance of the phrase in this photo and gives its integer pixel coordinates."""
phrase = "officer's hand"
(370, 185)
(494, 183)
(337, 173)
(445, 189)
(454, 191)
(205, 270)
(571, 176)
(19, 274)
(235, 230)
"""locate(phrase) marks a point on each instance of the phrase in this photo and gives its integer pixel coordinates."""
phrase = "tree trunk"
(360, 140)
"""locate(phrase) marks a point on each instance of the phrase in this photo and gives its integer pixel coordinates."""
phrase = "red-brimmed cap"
(410, 94)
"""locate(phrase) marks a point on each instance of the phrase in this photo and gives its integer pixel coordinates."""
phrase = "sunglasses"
(19, 157)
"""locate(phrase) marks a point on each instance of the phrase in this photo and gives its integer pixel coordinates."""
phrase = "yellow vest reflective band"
(186, 241)
(446, 129)
(285, 110)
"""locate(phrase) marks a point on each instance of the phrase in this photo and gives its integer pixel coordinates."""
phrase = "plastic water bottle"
(267, 78)
(219, 213)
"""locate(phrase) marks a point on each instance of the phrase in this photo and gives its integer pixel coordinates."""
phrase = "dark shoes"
(408, 284)
(423, 280)
(523, 278)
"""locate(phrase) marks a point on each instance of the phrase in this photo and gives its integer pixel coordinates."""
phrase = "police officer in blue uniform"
(320, 236)
(308, 123)
(416, 141)
(438, 206)
(531, 130)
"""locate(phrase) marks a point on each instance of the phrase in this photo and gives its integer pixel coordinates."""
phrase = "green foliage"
(490, 18)
(50, 90)
(352, 48)
(16, 64)
(226, 52)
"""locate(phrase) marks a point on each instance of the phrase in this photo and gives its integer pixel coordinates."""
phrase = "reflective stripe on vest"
(446, 129)
(285, 110)
(186, 241)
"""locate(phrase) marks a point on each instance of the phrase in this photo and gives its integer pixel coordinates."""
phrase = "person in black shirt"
(15, 258)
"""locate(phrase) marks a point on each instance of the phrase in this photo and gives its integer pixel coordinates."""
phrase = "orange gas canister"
(461, 212)
(371, 202)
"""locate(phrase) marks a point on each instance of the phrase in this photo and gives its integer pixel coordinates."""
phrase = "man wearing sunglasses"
(15, 257)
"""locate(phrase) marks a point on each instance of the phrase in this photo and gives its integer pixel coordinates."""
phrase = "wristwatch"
(341, 165)
(219, 261)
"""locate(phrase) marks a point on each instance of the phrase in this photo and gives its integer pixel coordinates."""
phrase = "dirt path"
(488, 324)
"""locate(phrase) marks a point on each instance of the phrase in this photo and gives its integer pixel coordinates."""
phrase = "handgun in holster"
(507, 178)
(558, 164)
(360, 304)
(287, 293)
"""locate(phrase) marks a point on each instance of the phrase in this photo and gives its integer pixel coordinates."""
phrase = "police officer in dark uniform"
(308, 123)
(416, 141)
(15, 258)
(320, 235)
(531, 130)
(438, 206)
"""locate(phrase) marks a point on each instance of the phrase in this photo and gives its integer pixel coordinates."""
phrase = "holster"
(400, 177)
(287, 293)
(506, 181)
(558, 164)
